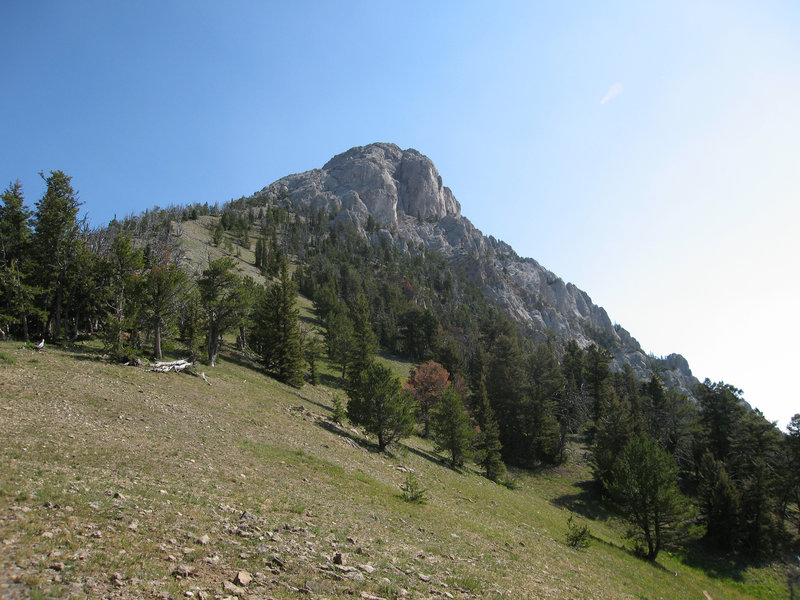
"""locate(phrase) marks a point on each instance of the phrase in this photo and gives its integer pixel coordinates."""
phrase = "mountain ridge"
(398, 195)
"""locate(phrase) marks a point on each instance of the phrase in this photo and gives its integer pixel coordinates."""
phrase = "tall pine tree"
(54, 245)
(278, 331)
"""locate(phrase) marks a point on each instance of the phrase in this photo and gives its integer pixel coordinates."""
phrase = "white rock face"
(402, 191)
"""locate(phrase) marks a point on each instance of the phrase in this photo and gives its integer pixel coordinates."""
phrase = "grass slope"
(121, 483)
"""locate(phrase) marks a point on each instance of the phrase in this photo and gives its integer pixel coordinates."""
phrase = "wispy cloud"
(614, 91)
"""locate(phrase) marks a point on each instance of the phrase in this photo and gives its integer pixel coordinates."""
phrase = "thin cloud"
(614, 91)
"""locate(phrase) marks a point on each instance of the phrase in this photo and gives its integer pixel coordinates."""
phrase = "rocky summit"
(398, 195)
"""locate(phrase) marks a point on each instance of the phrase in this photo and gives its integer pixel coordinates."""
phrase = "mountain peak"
(378, 180)
(402, 192)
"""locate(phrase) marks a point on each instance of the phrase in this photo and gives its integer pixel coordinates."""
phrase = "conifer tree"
(378, 404)
(223, 297)
(643, 482)
(278, 331)
(487, 444)
(452, 427)
(160, 287)
(363, 343)
(338, 337)
(54, 244)
(16, 292)
(121, 265)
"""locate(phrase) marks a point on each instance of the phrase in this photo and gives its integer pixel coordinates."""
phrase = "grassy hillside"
(122, 483)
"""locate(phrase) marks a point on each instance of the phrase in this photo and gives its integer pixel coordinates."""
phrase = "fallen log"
(165, 367)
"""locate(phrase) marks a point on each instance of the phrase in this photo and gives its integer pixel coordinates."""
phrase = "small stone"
(48, 535)
(204, 540)
(134, 526)
(369, 569)
(182, 571)
(232, 589)
(57, 566)
(423, 577)
(243, 578)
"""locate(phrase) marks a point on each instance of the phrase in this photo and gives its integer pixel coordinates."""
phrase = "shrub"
(578, 536)
(412, 490)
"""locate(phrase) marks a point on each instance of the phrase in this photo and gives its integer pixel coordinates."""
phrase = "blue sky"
(647, 152)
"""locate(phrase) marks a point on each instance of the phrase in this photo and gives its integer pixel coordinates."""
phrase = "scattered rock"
(243, 578)
(182, 571)
(232, 588)
(276, 560)
(57, 566)
(204, 540)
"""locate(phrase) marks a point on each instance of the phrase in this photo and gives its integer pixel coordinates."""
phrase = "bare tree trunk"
(157, 342)
(213, 344)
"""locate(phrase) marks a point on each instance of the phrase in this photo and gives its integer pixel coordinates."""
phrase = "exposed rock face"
(403, 193)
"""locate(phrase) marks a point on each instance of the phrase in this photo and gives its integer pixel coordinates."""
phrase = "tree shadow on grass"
(719, 566)
(587, 503)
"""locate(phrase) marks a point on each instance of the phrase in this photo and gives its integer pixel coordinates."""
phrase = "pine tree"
(719, 501)
(160, 287)
(487, 444)
(223, 296)
(338, 338)
(363, 343)
(278, 331)
(16, 292)
(54, 244)
(451, 426)
(643, 482)
(378, 404)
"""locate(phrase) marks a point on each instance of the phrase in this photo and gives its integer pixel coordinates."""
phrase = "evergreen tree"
(791, 470)
(312, 349)
(378, 404)
(597, 375)
(120, 267)
(505, 379)
(54, 245)
(643, 482)
(613, 431)
(546, 383)
(451, 426)
(160, 287)
(487, 444)
(338, 337)
(754, 464)
(719, 502)
(363, 343)
(721, 408)
(278, 331)
(223, 297)
(15, 228)
(16, 292)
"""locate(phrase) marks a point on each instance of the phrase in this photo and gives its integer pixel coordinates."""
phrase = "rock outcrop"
(402, 192)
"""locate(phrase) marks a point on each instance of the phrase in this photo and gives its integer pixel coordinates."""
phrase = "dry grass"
(111, 476)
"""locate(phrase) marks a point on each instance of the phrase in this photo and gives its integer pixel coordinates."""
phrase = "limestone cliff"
(403, 193)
